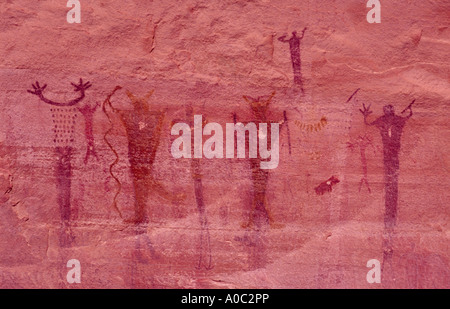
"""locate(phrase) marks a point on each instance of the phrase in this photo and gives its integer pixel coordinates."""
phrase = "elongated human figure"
(391, 129)
(63, 117)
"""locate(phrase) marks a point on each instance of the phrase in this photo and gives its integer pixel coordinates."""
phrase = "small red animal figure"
(326, 186)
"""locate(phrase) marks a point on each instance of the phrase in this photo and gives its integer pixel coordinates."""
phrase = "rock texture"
(179, 223)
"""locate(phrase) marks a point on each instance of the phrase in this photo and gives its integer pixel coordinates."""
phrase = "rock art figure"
(64, 117)
(259, 215)
(326, 186)
(205, 255)
(294, 46)
(143, 128)
(362, 142)
(391, 129)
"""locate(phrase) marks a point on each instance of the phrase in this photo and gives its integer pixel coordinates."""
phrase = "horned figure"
(294, 46)
(259, 214)
(63, 118)
(143, 127)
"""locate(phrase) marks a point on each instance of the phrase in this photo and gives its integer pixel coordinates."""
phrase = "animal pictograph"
(326, 186)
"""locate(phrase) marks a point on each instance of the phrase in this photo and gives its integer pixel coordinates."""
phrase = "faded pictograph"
(64, 118)
(363, 142)
(391, 127)
(294, 47)
(312, 127)
(88, 114)
(204, 247)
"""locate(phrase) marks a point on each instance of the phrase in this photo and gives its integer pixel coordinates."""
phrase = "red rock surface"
(207, 55)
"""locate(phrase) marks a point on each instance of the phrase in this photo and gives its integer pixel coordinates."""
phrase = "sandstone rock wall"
(206, 55)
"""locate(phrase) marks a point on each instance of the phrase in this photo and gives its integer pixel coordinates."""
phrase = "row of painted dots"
(64, 124)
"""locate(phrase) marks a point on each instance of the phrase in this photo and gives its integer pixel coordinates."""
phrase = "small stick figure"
(363, 141)
(294, 46)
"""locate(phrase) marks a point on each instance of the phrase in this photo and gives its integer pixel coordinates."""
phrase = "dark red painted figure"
(326, 186)
(64, 120)
(391, 128)
(294, 46)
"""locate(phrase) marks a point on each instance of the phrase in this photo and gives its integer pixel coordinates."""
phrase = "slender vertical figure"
(205, 257)
(363, 141)
(63, 117)
(294, 46)
(88, 114)
(391, 128)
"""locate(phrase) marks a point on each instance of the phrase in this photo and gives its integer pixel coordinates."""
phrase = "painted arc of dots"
(63, 125)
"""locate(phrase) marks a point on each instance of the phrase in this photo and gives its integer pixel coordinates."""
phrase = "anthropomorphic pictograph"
(259, 214)
(294, 46)
(143, 127)
(64, 117)
(391, 129)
